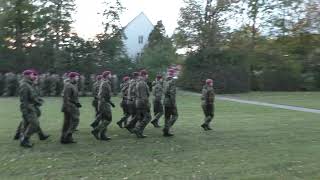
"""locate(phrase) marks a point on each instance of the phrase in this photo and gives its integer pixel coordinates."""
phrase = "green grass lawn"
(302, 99)
(249, 142)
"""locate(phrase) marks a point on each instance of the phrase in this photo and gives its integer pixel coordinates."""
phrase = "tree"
(159, 53)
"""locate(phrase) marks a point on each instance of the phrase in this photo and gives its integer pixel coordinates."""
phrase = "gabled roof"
(141, 14)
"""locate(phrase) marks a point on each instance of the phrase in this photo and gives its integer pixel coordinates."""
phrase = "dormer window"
(140, 39)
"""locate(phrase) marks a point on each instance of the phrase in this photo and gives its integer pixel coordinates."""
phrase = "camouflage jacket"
(105, 93)
(124, 89)
(70, 97)
(170, 93)
(95, 89)
(142, 94)
(132, 90)
(208, 95)
(157, 90)
(29, 99)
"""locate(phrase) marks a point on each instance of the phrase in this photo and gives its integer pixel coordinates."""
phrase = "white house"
(137, 33)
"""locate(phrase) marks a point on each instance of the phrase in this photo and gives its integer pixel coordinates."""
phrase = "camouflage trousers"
(157, 110)
(126, 113)
(171, 116)
(132, 119)
(143, 118)
(24, 124)
(30, 123)
(208, 110)
(104, 117)
(70, 123)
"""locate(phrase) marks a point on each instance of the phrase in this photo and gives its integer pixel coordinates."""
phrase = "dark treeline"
(38, 34)
(245, 45)
(276, 47)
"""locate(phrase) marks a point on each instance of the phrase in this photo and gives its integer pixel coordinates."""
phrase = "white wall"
(140, 26)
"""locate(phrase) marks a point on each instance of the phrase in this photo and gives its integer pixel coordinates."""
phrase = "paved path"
(293, 108)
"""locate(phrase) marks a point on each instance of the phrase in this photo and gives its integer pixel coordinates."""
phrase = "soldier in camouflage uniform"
(105, 115)
(95, 92)
(124, 86)
(23, 124)
(170, 107)
(207, 99)
(132, 120)
(1, 83)
(142, 104)
(11, 84)
(70, 108)
(157, 100)
(29, 100)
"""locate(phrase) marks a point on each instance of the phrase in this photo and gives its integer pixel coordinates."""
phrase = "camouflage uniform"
(170, 107)
(105, 115)
(1, 83)
(95, 91)
(132, 120)
(23, 124)
(124, 104)
(70, 108)
(11, 84)
(157, 102)
(207, 99)
(29, 102)
(143, 107)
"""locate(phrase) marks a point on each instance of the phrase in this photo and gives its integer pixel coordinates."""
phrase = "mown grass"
(248, 142)
(302, 99)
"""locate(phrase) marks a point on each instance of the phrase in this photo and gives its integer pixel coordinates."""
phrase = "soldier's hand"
(113, 105)
(78, 105)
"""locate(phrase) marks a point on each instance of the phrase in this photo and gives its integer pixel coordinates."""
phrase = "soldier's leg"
(174, 116)
(66, 128)
(31, 128)
(123, 119)
(143, 117)
(167, 118)
(106, 123)
(158, 112)
(19, 131)
(210, 111)
(75, 116)
(206, 115)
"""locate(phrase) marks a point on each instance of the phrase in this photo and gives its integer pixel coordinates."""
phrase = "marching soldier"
(170, 106)
(29, 103)
(95, 91)
(157, 100)
(207, 99)
(23, 124)
(70, 108)
(131, 121)
(124, 86)
(104, 116)
(142, 104)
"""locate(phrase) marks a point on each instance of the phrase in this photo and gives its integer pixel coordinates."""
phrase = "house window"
(140, 39)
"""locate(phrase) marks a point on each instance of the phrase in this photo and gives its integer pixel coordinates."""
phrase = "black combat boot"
(166, 133)
(16, 136)
(209, 128)
(120, 124)
(155, 124)
(43, 136)
(95, 133)
(205, 127)
(103, 136)
(139, 134)
(26, 143)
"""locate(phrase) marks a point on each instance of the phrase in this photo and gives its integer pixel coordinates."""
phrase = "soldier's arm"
(203, 94)
(24, 96)
(172, 92)
(67, 94)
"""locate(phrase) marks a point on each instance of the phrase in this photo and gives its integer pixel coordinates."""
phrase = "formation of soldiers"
(135, 105)
(49, 84)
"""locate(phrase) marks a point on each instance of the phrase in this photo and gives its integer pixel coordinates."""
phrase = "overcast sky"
(88, 21)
